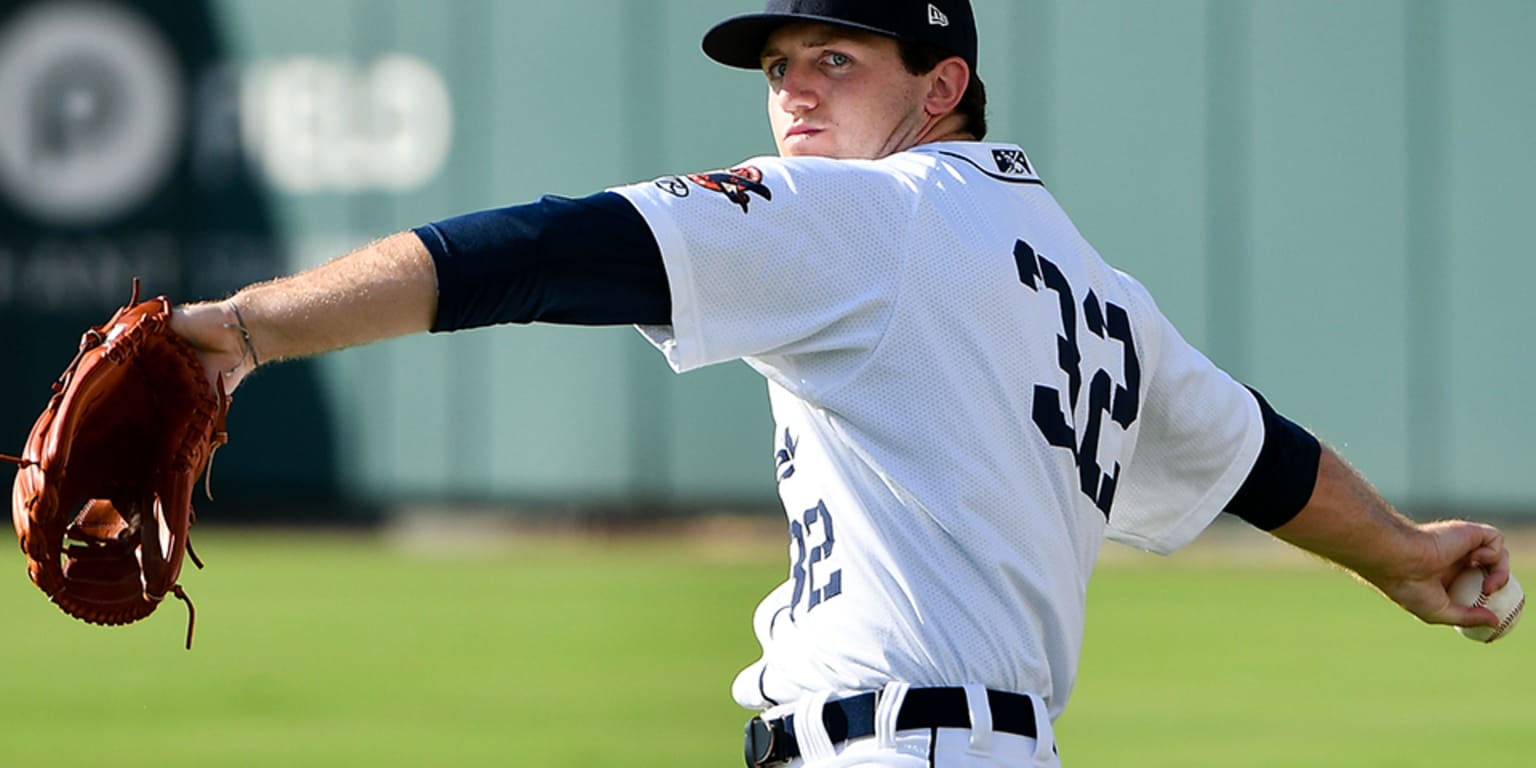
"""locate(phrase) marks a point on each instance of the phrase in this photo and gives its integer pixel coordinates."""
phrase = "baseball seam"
(1506, 622)
(1510, 619)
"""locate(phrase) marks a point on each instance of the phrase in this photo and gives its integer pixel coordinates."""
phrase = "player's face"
(841, 94)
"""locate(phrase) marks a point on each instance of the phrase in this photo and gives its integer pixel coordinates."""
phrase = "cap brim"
(739, 42)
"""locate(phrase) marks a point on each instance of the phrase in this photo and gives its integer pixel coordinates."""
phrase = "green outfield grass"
(336, 650)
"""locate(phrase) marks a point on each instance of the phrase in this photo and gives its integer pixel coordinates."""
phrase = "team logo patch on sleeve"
(737, 184)
(1011, 161)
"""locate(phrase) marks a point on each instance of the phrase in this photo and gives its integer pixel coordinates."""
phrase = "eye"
(775, 69)
(835, 59)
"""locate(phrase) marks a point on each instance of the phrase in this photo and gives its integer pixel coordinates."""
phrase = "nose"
(797, 91)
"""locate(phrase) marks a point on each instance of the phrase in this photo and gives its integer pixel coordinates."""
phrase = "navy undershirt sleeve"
(1282, 479)
(588, 261)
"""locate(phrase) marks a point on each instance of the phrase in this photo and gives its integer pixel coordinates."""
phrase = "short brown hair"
(920, 59)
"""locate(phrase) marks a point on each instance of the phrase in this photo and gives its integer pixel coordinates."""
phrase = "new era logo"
(936, 17)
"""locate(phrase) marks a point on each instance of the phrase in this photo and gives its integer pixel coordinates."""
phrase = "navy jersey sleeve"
(1282, 479)
(588, 261)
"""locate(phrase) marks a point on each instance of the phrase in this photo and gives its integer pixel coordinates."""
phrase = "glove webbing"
(176, 589)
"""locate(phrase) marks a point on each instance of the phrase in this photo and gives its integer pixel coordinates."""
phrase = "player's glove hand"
(217, 333)
(102, 502)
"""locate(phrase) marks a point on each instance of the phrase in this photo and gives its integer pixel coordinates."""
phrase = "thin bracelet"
(245, 335)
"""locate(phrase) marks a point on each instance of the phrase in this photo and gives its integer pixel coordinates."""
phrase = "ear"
(946, 85)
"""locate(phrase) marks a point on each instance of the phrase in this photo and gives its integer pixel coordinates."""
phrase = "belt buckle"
(759, 743)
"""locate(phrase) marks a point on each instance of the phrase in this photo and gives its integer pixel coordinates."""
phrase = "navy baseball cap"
(948, 25)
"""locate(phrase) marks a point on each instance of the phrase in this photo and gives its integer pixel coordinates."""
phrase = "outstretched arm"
(590, 261)
(383, 290)
(1347, 522)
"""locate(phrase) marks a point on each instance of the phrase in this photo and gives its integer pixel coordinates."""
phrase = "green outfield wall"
(1332, 199)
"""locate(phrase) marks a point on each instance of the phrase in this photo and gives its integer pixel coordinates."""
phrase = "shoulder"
(997, 161)
(769, 187)
(894, 173)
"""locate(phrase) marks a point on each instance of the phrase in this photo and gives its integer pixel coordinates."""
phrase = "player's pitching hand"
(1452, 546)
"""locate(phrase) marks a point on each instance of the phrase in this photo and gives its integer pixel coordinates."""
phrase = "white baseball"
(1507, 604)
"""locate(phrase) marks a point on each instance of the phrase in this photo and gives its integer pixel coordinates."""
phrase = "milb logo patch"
(737, 184)
(1011, 161)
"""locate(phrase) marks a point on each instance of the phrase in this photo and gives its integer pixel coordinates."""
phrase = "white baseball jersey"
(966, 398)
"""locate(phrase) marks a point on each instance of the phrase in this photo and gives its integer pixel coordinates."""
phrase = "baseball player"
(967, 399)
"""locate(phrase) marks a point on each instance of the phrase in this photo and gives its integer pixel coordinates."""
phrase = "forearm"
(1412, 564)
(383, 290)
(1348, 522)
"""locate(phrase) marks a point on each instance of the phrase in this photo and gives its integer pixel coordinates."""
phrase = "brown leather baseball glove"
(103, 497)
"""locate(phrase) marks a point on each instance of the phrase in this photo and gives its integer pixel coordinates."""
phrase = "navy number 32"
(1119, 400)
(810, 585)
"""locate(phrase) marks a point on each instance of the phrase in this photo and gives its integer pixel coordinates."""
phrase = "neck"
(949, 127)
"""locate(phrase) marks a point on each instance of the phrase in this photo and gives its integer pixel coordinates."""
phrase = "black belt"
(770, 742)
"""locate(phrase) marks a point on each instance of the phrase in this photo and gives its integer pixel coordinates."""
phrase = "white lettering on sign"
(314, 125)
(95, 114)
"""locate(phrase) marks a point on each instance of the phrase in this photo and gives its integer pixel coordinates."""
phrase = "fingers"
(1465, 616)
(1458, 546)
(1462, 545)
(1493, 557)
(1496, 564)
(1488, 553)
(1431, 603)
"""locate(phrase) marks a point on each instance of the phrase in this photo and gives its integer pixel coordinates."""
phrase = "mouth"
(801, 130)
